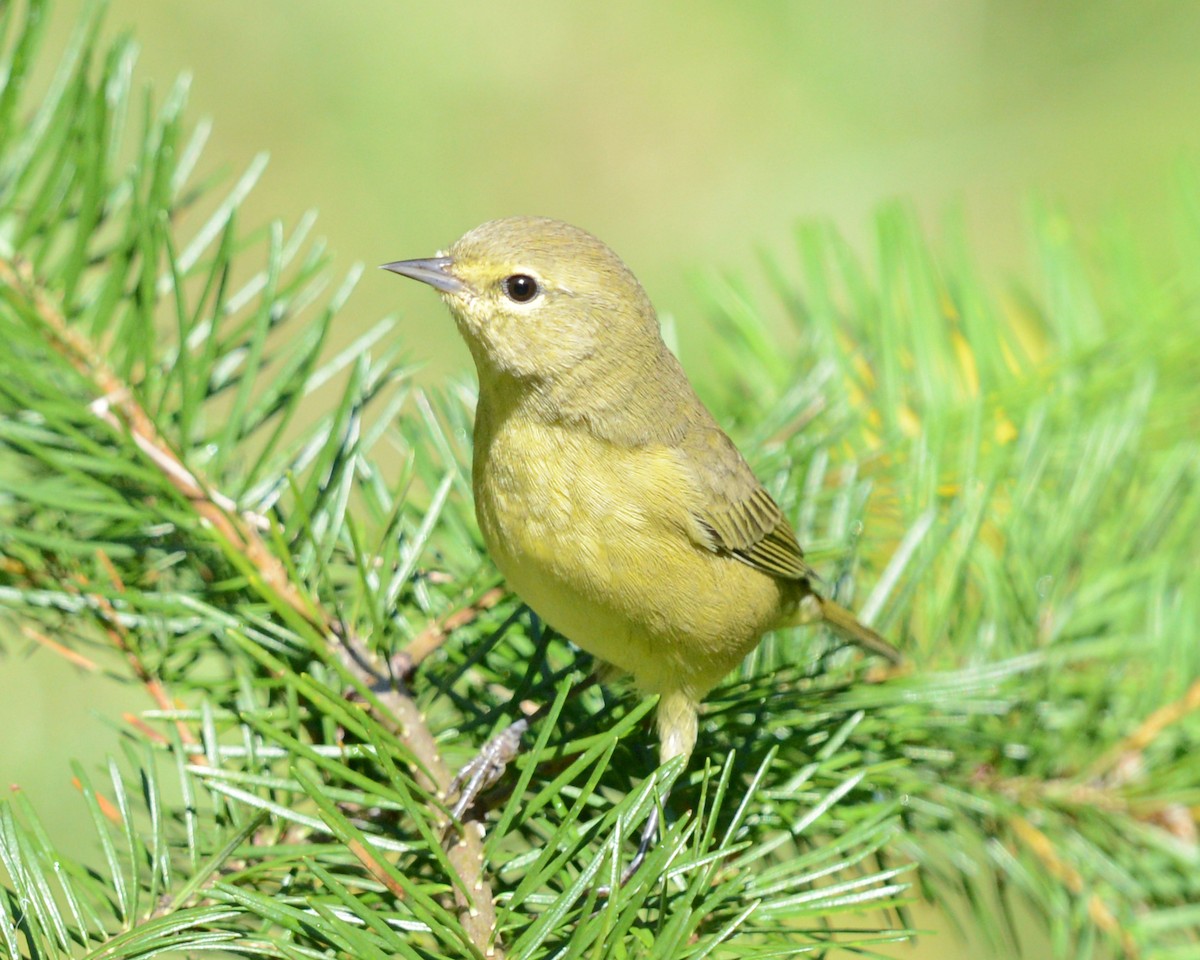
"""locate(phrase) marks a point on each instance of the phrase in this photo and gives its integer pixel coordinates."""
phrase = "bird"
(609, 497)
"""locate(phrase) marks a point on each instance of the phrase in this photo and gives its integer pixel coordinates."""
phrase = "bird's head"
(535, 298)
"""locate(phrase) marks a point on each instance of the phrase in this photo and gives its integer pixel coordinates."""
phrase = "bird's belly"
(594, 538)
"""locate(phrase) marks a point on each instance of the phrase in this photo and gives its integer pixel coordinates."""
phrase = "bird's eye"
(520, 287)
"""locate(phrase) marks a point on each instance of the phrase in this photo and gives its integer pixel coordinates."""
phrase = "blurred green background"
(686, 136)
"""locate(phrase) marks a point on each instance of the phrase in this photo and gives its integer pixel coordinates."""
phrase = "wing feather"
(735, 515)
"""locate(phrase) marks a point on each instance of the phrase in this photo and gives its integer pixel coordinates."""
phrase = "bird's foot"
(486, 768)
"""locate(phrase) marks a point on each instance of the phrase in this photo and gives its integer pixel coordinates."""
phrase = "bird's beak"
(434, 271)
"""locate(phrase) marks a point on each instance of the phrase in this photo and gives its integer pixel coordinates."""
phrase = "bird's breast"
(594, 537)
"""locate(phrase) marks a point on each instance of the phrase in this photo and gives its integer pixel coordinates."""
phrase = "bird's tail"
(847, 625)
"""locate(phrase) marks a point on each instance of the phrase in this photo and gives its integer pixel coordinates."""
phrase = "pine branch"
(240, 532)
(297, 585)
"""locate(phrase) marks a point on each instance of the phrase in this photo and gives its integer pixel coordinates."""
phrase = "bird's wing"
(734, 514)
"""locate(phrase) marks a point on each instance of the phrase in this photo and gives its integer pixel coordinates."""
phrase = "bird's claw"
(486, 768)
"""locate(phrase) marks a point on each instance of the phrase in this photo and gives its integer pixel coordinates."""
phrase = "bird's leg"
(646, 841)
(677, 722)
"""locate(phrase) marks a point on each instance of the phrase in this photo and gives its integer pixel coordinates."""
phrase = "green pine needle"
(196, 496)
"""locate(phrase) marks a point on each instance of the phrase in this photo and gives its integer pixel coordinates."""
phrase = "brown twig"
(116, 405)
(107, 807)
(434, 635)
(473, 901)
(1102, 916)
(371, 863)
(119, 637)
(147, 731)
(1146, 733)
(71, 656)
